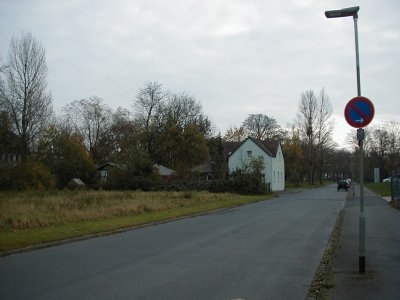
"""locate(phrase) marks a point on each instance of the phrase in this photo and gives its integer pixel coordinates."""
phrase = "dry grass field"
(41, 209)
(28, 218)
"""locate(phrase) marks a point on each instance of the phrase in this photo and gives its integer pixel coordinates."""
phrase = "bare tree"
(185, 129)
(149, 102)
(352, 142)
(3, 67)
(351, 139)
(235, 134)
(261, 127)
(383, 150)
(315, 123)
(183, 109)
(123, 137)
(307, 113)
(324, 123)
(294, 155)
(306, 119)
(381, 146)
(174, 127)
(323, 133)
(90, 119)
(393, 130)
(23, 93)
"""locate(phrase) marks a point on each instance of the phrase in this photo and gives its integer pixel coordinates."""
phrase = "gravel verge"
(321, 277)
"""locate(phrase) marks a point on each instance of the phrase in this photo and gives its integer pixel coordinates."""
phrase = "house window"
(249, 154)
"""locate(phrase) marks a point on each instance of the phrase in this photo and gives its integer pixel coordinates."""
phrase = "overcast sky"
(236, 57)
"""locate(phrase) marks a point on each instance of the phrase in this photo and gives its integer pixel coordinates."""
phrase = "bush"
(219, 186)
(250, 179)
(130, 179)
(26, 175)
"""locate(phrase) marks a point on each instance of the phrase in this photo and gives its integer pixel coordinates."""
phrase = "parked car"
(389, 179)
(343, 184)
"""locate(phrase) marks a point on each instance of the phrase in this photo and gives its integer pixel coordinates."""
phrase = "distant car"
(389, 179)
(343, 184)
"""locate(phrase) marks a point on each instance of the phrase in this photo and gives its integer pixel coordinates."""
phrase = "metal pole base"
(361, 264)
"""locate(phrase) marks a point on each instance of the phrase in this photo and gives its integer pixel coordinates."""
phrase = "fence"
(395, 189)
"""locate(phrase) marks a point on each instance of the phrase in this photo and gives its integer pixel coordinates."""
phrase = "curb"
(320, 278)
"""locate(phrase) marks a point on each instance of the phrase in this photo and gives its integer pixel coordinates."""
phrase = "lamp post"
(353, 12)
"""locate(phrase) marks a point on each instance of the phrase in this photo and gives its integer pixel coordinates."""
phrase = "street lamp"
(345, 12)
(349, 12)
(353, 12)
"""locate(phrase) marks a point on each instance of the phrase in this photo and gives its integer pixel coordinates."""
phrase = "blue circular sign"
(359, 112)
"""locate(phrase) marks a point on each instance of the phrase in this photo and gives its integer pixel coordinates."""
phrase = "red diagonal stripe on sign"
(358, 111)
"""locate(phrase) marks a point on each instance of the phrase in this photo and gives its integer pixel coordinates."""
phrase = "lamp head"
(345, 12)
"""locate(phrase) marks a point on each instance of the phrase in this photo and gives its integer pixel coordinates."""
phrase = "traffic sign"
(359, 112)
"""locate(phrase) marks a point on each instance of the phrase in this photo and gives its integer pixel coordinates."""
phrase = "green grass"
(381, 188)
(28, 219)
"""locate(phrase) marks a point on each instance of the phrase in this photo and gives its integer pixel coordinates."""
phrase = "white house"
(270, 151)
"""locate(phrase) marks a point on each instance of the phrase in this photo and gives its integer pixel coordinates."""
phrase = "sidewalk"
(382, 271)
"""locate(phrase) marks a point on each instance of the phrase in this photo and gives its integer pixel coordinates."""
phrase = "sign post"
(361, 221)
(359, 112)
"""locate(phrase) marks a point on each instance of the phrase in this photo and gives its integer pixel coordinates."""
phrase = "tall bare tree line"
(23, 91)
(315, 123)
(381, 146)
(164, 127)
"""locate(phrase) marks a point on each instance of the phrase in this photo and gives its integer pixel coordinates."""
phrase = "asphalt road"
(266, 250)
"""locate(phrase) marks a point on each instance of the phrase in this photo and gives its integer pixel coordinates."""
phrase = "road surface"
(266, 250)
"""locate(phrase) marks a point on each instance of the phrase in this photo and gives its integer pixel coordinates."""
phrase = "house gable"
(247, 150)
(248, 141)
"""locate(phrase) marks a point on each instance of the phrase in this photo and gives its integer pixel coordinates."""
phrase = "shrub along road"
(265, 250)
